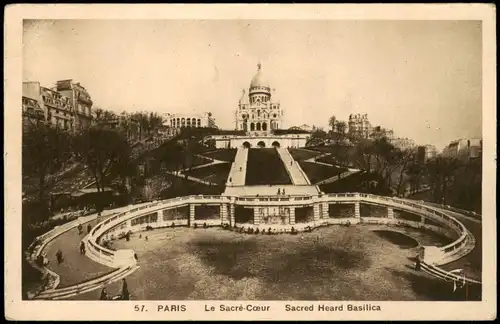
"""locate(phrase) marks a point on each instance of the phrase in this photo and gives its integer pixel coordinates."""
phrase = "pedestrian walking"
(89, 227)
(104, 294)
(279, 191)
(125, 292)
(82, 248)
(59, 257)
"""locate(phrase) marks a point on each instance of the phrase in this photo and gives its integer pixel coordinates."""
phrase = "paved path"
(183, 176)
(215, 162)
(76, 267)
(338, 177)
(295, 172)
(313, 159)
(472, 262)
(237, 174)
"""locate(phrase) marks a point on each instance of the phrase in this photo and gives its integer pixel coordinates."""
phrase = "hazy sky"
(420, 78)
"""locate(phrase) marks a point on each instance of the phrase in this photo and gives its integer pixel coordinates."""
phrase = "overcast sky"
(420, 78)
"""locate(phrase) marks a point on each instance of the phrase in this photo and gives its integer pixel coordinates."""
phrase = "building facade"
(258, 113)
(464, 149)
(193, 119)
(32, 112)
(81, 101)
(58, 104)
(402, 143)
(359, 126)
(426, 153)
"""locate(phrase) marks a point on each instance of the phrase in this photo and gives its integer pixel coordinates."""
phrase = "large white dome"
(259, 80)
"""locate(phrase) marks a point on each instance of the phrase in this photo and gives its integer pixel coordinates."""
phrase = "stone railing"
(124, 260)
(50, 290)
(438, 256)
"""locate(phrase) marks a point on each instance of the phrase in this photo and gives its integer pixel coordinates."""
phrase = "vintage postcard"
(250, 162)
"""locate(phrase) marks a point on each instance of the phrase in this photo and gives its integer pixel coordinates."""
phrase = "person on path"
(59, 257)
(80, 229)
(125, 293)
(279, 191)
(104, 294)
(89, 227)
(82, 248)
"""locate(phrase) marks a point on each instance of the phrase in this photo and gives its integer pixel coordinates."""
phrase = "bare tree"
(332, 122)
(104, 152)
(45, 149)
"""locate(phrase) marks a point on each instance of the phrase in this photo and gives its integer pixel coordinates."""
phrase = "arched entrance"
(246, 145)
(276, 144)
(261, 144)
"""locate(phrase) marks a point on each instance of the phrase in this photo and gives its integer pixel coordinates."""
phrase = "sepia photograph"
(328, 165)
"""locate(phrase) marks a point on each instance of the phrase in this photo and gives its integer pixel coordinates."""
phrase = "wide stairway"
(295, 172)
(238, 169)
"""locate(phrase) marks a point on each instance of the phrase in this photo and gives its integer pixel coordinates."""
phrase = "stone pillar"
(223, 214)
(191, 214)
(232, 219)
(390, 213)
(325, 211)
(292, 215)
(357, 212)
(256, 216)
(316, 212)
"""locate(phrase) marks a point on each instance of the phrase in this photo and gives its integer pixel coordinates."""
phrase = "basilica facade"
(258, 113)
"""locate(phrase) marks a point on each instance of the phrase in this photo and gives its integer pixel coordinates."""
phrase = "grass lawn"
(335, 263)
(318, 172)
(264, 167)
(300, 154)
(222, 154)
(215, 173)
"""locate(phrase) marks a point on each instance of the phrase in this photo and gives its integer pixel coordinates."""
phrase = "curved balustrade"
(431, 213)
(124, 259)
